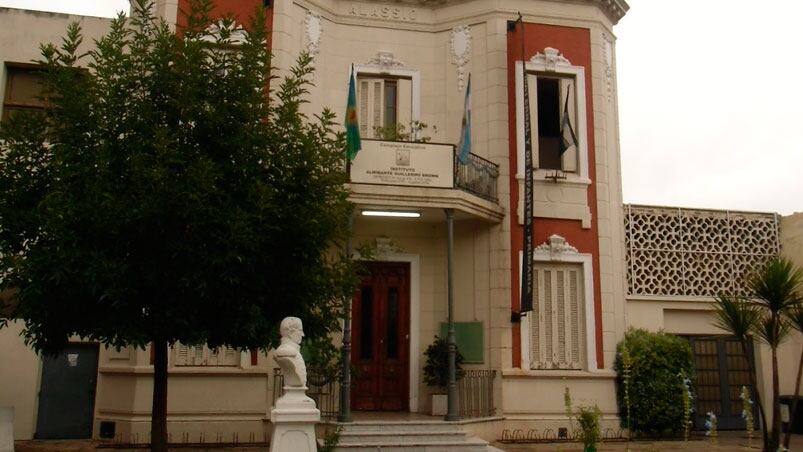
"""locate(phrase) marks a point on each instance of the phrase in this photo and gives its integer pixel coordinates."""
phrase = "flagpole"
(345, 380)
(526, 292)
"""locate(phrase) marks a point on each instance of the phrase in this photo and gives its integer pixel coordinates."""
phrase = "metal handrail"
(477, 176)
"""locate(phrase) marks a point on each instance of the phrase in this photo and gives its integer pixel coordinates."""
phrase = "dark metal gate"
(721, 370)
(67, 393)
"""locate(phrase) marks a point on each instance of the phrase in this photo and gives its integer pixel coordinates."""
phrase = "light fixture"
(391, 213)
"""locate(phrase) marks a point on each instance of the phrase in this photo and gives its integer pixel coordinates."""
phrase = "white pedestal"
(439, 404)
(7, 429)
(294, 420)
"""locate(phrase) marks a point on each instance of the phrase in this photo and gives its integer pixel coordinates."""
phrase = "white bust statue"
(288, 354)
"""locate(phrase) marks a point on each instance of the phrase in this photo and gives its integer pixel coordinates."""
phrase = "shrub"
(436, 371)
(656, 405)
(588, 419)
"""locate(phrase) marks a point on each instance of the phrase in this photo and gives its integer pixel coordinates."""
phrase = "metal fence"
(476, 393)
(324, 390)
(477, 176)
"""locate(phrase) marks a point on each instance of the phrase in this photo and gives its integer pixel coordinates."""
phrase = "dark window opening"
(23, 90)
(549, 123)
(390, 103)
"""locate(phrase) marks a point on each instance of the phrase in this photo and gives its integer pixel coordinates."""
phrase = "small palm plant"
(796, 320)
(739, 317)
(775, 296)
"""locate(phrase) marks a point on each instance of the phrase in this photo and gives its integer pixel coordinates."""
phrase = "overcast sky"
(710, 100)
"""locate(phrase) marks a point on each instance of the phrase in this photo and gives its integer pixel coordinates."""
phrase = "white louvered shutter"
(557, 335)
(182, 355)
(370, 101)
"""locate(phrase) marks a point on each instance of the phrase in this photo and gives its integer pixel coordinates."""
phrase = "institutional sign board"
(404, 163)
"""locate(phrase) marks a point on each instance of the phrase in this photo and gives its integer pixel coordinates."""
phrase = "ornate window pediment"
(385, 60)
(551, 58)
(556, 246)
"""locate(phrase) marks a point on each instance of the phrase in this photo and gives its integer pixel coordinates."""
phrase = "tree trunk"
(788, 434)
(755, 393)
(775, 439)
(159, 410)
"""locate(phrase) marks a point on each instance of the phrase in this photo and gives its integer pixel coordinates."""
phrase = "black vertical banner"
(527, 254)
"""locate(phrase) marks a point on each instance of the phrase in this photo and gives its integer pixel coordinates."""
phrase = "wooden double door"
(381, 338)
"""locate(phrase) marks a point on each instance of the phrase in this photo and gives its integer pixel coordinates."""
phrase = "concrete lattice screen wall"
(673, 251)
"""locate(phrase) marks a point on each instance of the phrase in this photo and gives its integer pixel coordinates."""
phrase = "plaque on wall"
(404, 163)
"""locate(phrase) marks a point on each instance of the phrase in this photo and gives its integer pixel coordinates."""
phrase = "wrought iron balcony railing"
(477, 176)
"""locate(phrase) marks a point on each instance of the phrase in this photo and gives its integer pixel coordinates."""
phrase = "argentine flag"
(464, 147)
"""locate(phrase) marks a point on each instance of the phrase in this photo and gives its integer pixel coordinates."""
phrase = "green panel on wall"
(469, 338)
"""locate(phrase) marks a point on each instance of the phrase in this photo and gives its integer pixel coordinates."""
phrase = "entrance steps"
(408, 436)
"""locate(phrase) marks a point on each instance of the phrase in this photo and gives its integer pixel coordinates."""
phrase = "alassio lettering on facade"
(383, 12)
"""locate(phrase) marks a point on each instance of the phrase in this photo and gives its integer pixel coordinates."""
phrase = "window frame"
(6, 104)
(552, 66)
(395, 73)
(546, 254)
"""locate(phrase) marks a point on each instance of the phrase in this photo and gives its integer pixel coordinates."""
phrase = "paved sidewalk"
(728, 441)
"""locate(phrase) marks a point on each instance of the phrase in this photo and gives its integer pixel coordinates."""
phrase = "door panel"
(380, 334)
(721, 371)
(67, 393)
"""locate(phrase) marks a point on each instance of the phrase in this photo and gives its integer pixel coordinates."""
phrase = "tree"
(166, 196)
(796, 319)
(775, 295)
(739, 317)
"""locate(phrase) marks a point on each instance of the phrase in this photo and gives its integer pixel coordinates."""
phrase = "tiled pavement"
(727, 441)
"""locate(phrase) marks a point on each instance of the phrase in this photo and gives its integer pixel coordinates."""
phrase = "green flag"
(353, 144)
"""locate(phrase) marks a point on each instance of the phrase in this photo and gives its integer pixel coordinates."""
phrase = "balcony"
(403, 175)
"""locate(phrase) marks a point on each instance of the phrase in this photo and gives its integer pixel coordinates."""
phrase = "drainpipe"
(451, 413)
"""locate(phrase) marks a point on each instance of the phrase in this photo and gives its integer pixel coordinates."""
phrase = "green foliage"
(330, 439)
(567, 407)
(588, 420)
(626, 376)
(775, 287)
(688, 409)
(656, 359)
(322, 357)
(399, 132)
(736, 315)
(436, 370)
(165, 194)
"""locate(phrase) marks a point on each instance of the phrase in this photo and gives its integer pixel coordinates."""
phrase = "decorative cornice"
(460, 46)
(550, 59)
(616, 9)
(556, 246)
(385, 60)
(313, 29)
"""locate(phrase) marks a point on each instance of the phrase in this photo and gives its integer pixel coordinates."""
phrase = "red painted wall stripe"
(574, 44)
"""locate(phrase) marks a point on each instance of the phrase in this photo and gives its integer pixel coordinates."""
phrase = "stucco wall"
(19, 379)
(23, 31)
(790, 352)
